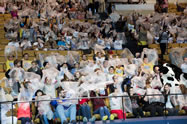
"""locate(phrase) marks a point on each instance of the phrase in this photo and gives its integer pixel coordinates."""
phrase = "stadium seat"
(30, 52)
(64, 52)
(183, 45)
(173, 45)
(152, 46)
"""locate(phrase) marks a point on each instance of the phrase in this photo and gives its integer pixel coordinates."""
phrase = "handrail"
(100, 97)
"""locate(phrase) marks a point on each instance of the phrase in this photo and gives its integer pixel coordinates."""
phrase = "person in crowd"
(136, 108)
(116, 104)
(163, 39)
(24, 110)
(151, 104)
(43, 108)
(99, 59)
(184, 65)
(165, 6)
(34, 68)
(10, 62)
(110, 74)
(64, 26)
(99, 106)
(142, 38)
(85, 110)
(65, 108)
(26, 62)
(169, 101)
(115, 84)
(147, 67)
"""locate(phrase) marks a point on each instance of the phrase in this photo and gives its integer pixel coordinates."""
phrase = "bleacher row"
(79, 118)
(33, 54)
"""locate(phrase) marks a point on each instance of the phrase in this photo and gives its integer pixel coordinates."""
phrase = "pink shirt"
(165, 5)
(24, 110)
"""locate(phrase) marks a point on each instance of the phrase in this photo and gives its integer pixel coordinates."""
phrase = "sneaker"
(105, 118)
(92, 119)
(73, 122)
(112, 117)
(85, 119)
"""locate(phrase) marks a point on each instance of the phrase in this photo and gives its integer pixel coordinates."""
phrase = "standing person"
(96, 6)
(142, 37)
(163, 39)
(164, 6)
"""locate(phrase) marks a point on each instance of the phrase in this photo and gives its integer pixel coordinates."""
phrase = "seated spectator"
(110, 73)
(10, 62)
(118, 44)
(184, 65)
(76, 68)
(26, 62)
(43, 107)
(65, 108)
(16, 75)
(99, 59)
(119, 70)
(85, 110)
(114, 84)
(169, 101)
(150, 104)
(14, 12)
(146, 66)
(24, 112)
(136, 108)
(34, 68)
(116, 104)
(100, 107)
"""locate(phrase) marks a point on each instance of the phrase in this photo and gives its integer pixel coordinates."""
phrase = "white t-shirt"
(100, 41)
(118, 44)
(110, 77)
(184, 67)
(100, 60)
(115, 103)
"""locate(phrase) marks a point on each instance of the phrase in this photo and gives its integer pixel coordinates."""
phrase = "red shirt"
(24, 110)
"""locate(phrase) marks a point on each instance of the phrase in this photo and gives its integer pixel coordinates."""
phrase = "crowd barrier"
(79, 118)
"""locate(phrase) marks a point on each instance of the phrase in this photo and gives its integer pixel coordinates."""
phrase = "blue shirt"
(61, 43)
(54, 103)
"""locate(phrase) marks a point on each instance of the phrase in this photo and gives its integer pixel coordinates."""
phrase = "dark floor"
(149, 120)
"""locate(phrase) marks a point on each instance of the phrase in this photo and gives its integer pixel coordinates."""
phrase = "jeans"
(102, 111)
(172, 111)
(153, 109)
(45, 119)
(163, 47)
(85, 111)
(24, 120)
(63, 114)
(138, 112)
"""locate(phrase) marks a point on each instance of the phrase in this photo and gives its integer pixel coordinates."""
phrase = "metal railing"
(79, 98)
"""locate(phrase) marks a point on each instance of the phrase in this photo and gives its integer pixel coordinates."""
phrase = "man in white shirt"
(184, 65)
(118, 44)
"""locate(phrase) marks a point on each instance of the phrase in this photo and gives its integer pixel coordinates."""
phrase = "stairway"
(3, 40)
